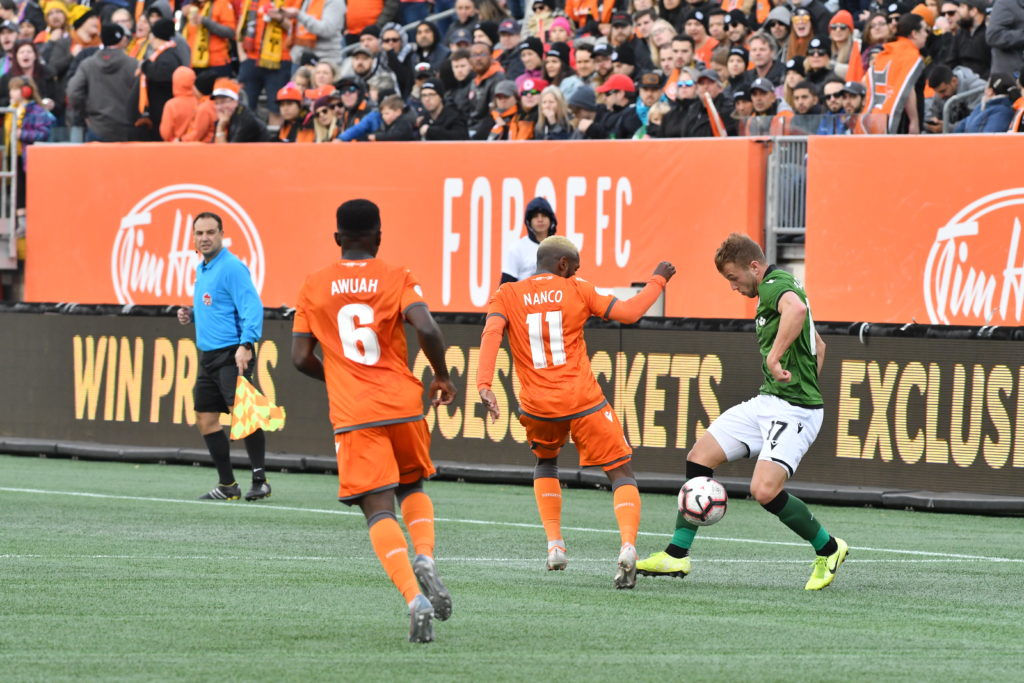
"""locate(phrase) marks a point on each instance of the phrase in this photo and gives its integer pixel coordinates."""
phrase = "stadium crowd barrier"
(925, 417)
(448, 211)
(917, 229)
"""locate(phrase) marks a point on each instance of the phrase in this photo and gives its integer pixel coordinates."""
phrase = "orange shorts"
(598, 437)
(375, 459)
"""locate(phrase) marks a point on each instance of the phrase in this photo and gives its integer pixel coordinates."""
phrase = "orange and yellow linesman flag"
(253, 411)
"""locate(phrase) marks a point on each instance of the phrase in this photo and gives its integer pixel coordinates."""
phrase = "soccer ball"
(702, 500)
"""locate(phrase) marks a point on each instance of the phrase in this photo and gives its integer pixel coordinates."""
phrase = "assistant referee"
(229, 321)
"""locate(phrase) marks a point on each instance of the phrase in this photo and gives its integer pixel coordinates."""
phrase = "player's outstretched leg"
(626, 505)
(831, 552)
(674, 560)
(256, 449)
(389, 545)
(418, 515)
(548, 492)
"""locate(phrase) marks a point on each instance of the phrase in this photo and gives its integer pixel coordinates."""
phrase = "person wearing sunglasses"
(325, 122)
(351, 105)
(683, 99)
(524, 122)
(778, 26)
(833, 115)
(818, 61)
(845, 47)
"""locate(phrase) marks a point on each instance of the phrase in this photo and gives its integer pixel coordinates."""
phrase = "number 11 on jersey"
(534, 323)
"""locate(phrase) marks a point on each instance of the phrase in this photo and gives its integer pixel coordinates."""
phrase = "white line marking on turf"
(454, 560)
(271, 506)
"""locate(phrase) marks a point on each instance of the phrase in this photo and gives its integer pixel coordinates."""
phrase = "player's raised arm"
(792, 313)
(442, 391)
(632, 309)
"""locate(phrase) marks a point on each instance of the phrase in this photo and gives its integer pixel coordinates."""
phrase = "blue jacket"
(369, 124)
(993, 116)
(226, 306)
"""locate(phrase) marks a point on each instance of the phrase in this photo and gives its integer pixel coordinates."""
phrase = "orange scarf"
(717, 124)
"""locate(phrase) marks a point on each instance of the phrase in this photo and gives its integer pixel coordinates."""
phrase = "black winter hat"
(163, 29)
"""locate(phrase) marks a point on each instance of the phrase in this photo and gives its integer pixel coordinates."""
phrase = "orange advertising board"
(916, 229)
(120, 233)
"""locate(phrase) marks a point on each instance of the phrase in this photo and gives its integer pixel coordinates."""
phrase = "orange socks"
(389, 544)
(626, 503)
(418, 515)
(549, 503)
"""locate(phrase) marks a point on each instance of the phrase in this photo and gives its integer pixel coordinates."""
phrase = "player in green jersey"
(778, 425)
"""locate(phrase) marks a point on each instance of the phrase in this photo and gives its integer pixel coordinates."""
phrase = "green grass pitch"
(112, 571)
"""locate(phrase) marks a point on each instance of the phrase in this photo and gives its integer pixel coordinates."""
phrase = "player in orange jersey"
(354, 308)
(544, 316)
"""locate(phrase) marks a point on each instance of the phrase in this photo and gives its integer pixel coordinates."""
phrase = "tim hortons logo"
(153, 259)
(975, 268)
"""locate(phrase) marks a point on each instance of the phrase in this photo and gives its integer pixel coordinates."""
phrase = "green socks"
(794, 513)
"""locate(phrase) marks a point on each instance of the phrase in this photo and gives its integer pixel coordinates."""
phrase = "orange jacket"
(180, 109)
(579, 11)
(204, 122)
(361, 13)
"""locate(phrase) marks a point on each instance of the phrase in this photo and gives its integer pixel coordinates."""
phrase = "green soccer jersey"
(799, 358)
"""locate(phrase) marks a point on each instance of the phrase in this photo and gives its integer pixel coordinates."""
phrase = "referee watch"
(247, 345)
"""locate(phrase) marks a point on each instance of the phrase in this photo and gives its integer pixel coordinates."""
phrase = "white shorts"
(768, 427)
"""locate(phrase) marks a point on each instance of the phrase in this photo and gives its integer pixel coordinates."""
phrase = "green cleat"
(663, 564)
(825, 568)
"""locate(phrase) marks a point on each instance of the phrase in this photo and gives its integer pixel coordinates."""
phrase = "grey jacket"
(327, 29)
(968, 81)
(1005, 36)
(100, 92)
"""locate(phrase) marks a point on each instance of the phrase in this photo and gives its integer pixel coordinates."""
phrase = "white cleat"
(557, 561)
(625, 577)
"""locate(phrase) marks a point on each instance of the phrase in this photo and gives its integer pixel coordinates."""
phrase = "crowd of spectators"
(226, 71)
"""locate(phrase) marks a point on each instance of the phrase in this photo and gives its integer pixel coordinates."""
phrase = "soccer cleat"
(430, 583)
(663, 564)
(221, 492)
(557, 561)
(824, 569)
(259, 490)
(625, 577)
(421, 616)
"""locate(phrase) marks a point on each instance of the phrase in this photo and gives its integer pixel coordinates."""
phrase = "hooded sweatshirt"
(180, 44)
(100, 92)
(181, 109)
(520, 260)
(435, 55)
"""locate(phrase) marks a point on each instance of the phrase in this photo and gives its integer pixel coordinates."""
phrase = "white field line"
(704, 537)
(444, 560)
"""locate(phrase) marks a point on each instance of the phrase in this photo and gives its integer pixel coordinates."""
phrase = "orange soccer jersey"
(545, 315)
(355, 310)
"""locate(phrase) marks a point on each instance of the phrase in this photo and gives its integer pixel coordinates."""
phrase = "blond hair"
(555, 247)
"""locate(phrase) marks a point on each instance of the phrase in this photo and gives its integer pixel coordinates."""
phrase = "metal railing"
(947, 108)
(785, 194)
(9, 199)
